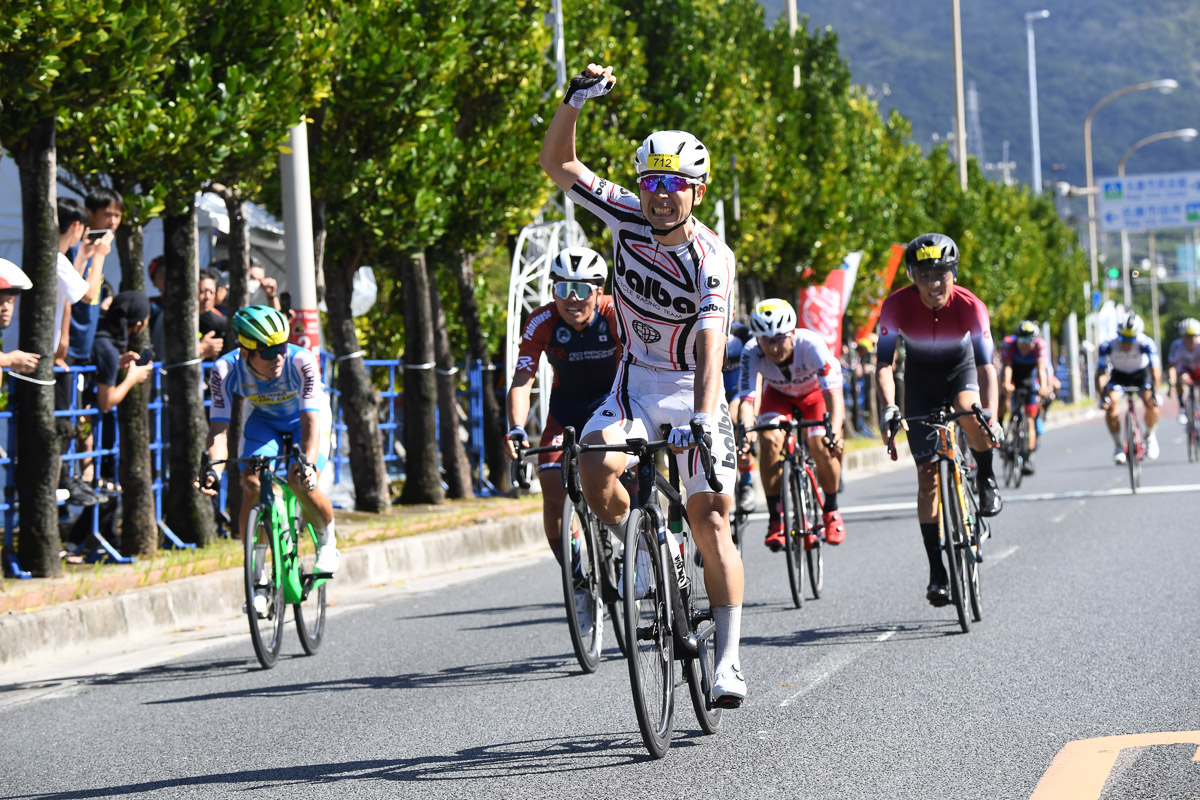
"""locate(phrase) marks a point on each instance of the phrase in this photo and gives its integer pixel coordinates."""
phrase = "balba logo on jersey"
(651, 288)
(713, 282)
(646, 333)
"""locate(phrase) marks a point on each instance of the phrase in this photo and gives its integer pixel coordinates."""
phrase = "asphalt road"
(469, 688)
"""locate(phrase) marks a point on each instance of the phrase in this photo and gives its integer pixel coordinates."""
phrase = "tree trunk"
(38, 541)
(239, 296)
(493, 421)
(422, 483)
(189, 513)
(454, 455)
(360, 413)
(139, 527)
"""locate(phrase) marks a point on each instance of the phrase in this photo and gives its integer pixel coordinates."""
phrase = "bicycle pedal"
(728, 701)
(318, 576)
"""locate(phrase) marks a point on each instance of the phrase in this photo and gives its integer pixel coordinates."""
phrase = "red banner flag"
(889, 276)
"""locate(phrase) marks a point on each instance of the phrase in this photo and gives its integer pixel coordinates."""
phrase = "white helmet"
(772, 317)
(12, 276)
(673, 153)
(579, 264)
(1189, 327)
(1131, 325)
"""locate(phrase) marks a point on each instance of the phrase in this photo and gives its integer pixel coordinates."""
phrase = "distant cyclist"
(672, 285)
(1183, 358)
(1025, 359)
(739, 336)
(948, 345)
(797, 372)
(577, 332)
(284, 393)
(1129, 359)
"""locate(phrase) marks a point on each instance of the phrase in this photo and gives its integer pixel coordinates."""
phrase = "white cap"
(12, 276)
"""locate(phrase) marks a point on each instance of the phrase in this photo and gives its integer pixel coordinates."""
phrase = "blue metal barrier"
(476, 450)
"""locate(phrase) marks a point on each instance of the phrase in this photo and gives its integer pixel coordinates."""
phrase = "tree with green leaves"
(56, 55)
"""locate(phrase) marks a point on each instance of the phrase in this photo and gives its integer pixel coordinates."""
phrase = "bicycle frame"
(287, 524)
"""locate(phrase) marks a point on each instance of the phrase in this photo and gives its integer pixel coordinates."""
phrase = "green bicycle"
(279, 558)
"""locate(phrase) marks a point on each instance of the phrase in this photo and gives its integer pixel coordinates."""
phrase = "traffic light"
(1113, 273)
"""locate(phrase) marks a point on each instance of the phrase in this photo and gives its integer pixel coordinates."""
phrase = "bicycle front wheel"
(581, 585)
(648, 633)
(794, 527)
(1193, 430)
(1022, 449)
(973, 553)
(812, 548)
(700, 672)
(610, 577)
(264, 596)
(952, 538)
(309, 613)
(1131, 451)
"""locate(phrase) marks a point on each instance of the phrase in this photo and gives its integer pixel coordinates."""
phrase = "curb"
(127, 618)
(140, 614)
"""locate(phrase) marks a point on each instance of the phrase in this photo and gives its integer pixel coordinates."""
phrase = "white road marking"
(911, 505)
(825, 668)
(992, 558)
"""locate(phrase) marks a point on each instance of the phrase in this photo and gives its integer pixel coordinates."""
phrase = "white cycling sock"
(326, 536)
(1151, 430)
(618, 533)
(729, 633)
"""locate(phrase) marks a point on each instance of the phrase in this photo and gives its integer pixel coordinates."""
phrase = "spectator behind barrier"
(127, 317)
(13, 281)
(105, 209)
(214, 328)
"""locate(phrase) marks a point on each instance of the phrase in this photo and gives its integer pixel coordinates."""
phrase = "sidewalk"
(130, 615)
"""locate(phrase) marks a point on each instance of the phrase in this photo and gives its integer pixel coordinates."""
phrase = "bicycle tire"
(1022, 445)
(259, 545)
(793, 532)
(1008, 452)
(580, 570)
(611, 575)
(814, 555)
(1193, 427)
(974, 553)
(310, 614)
(648, 632)
(700, 672)
(952, 521)
(1131, 448)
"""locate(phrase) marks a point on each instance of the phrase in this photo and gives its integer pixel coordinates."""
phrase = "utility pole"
(960, 123)
(298, 239)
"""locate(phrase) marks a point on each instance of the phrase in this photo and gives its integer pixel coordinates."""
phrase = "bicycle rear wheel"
(794, 526)
(648, 627)
(973, 553)
(813, 555)
(952, 537)
(581, 585)
(310, 612)
(610, 577)
(700, 672)
(1131, 450)
(1022, 448)
(1193, 427)
(261, 569)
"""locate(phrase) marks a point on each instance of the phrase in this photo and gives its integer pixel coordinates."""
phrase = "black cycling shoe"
(746, 501)
(1027, 467)
(938, 595)
(990, 503)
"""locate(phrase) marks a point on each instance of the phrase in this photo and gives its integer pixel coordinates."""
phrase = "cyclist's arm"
(217, 444)
(710, 355)
(989, 395)
(836, 406)
(518, 404)
(310, 436)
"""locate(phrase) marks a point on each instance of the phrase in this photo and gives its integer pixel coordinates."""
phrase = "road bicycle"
(804, 526)
(1135, 445)
(1014, 450)
(1191, 407)
(279, 558)
(667, 614)
(962, 528)
(588, 566)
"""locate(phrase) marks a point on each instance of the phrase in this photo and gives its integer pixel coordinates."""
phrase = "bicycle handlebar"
(940, 417)
(794, 425)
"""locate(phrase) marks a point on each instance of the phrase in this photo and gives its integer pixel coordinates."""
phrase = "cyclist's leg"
(920, 396)
(829, 467)
(550, 478)
(315, 506)
(1150, 401)
(966, 394)
(1032, 409)
(616, 420)
(774, 407)
(257, 438)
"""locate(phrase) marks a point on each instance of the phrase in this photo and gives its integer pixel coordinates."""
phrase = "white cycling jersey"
(1142, 354)
(811, 368)
(665, 294)
(1182, 359)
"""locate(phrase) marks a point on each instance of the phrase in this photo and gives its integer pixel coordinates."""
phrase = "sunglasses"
(270, 353)
(670, 183)
(1025, 339)
(582, 290)
(1127, 336)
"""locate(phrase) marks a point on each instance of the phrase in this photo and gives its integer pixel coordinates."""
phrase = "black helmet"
(930, 250)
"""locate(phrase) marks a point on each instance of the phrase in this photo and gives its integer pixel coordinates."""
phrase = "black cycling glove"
(584, 87)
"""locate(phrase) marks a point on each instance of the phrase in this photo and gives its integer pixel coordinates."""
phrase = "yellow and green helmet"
(260, 326)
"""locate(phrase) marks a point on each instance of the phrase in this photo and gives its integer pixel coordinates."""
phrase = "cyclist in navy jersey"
(1129, 359)
(1183, 358)
(948, 358)
(673, 281)
(283, 391)
(577, 332)
(1025, 361)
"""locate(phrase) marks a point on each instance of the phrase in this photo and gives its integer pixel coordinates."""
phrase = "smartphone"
(94, 235)
(145, 357)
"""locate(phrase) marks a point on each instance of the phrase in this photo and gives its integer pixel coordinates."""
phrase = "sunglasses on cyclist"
(581, 289)
(670, 183)
(270, 353)
(1025, 339)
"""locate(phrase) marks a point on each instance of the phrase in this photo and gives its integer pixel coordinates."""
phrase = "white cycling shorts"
(643, 400)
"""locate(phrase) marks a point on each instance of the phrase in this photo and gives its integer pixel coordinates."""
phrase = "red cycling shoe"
(775, 539)
(835, 530)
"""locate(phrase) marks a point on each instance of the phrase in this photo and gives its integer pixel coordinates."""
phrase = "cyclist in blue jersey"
(284, 394)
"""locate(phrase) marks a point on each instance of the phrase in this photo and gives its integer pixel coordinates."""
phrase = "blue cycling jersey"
(298, 388)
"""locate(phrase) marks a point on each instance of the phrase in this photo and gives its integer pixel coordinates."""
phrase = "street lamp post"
(1187, 135)
(1030, 18)
(960, 120)
(1165, 86)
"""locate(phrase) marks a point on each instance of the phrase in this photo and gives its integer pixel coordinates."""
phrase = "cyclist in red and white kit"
(672, 282)
(1183, 360)
(577, 332)
(798, 373)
